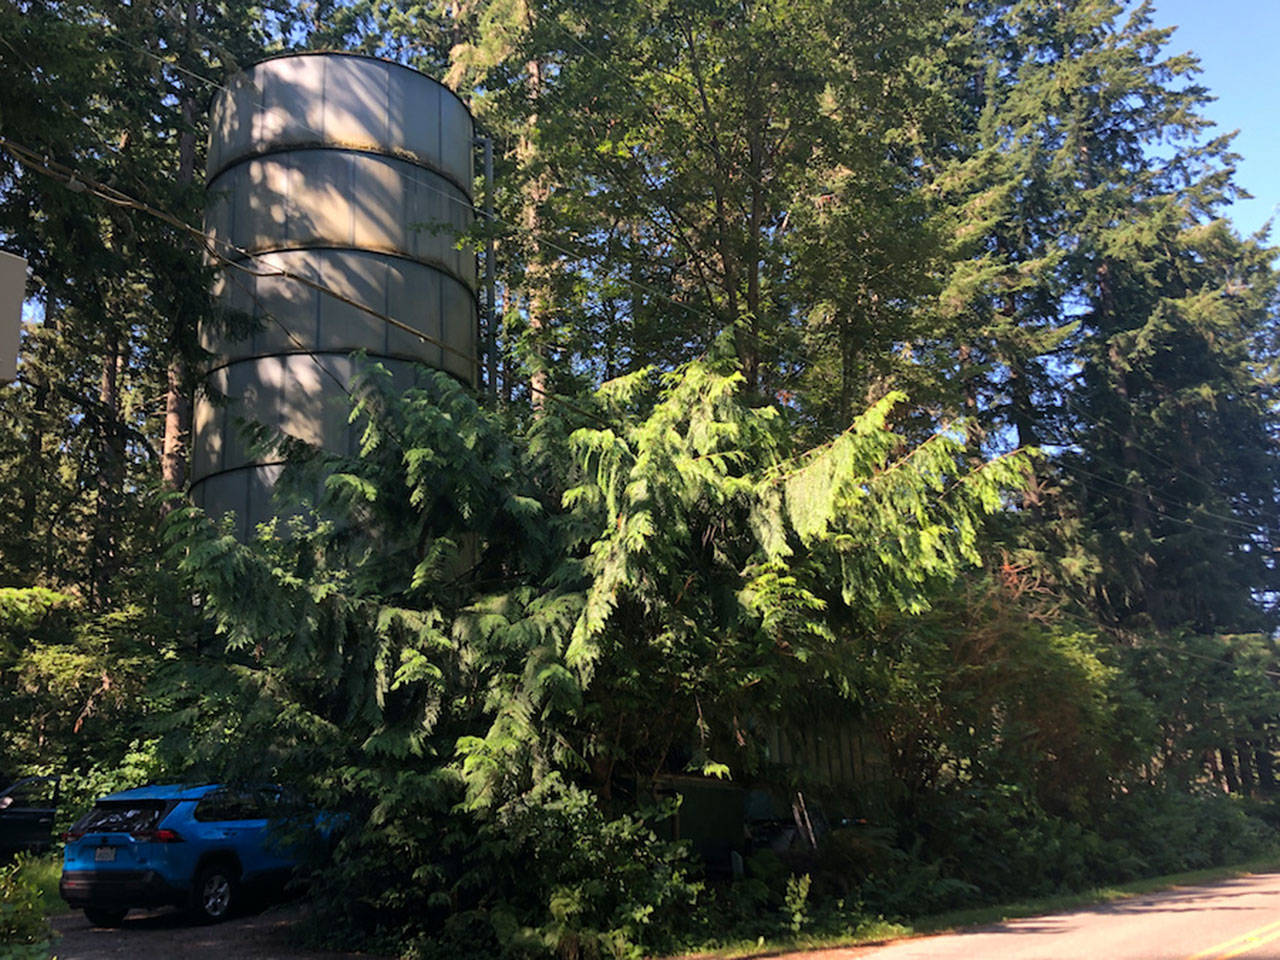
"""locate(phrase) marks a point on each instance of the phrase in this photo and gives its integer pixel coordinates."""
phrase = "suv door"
(27, 810)
(239, 818)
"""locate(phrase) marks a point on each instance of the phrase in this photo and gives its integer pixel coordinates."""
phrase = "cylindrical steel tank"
(357, 174)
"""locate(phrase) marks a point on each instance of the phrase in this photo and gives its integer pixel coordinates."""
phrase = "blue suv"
(199, 847)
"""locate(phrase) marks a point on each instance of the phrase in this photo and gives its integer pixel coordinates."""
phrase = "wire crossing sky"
(1238, 43)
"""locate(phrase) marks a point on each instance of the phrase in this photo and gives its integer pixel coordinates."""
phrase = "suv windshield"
(121, 816)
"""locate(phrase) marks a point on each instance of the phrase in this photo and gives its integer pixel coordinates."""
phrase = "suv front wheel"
(214, 893)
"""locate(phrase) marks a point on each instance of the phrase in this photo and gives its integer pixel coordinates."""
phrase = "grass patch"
(28, 893)
(880, 931)
(41, 874)
(866, 931)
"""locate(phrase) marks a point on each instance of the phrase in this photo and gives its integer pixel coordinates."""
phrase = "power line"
(1241, 538)
(293, 338)
(1200, 656)
(494, 218)
(74, 180)
(1084, 415)
(626, 78)
(116, 196)
(1069, 402)
(1243, 524)
(77, 181)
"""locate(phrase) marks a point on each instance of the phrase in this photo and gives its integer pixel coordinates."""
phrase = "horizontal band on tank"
(373, 150)
(401, 357)
(357, 102)
(342, 199)
(301, 395)
(252, 253)
(221, 403)
(239, 468)
(361, 56)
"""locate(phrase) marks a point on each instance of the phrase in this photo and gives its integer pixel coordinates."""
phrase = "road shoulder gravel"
(170, 935)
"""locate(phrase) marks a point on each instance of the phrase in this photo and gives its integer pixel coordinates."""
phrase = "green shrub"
(549, 874)
(1164, 831)
(987, 845)
(796, 903)
(25, 933)
(81, 786)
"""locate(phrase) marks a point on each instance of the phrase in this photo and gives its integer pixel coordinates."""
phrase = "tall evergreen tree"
(1174, 411)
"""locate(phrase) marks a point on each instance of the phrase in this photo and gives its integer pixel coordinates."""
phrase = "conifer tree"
(1173, 411)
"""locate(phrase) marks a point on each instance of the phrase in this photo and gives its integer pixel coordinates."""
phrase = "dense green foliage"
(462, 654)
(25, 933)
(882, 431)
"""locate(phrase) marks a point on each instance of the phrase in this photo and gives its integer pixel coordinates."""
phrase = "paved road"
(168, 935)
(1235, 918)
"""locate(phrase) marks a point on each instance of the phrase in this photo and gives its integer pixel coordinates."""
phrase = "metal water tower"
(13, 290)
(355, 173)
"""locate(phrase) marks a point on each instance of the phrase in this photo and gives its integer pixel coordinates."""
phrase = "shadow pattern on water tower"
(356, 174)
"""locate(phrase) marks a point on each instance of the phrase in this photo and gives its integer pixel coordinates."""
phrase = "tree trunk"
(751, 362)
(1022, 413)
(1215, 770)
(110, 481)
(973, 432)
(507, 313)
(177, 401)
(1264, 763)
(1244, 766)
(177, 424)
(1229, 769)
(35, 450)
(538, 270)
(845, 340)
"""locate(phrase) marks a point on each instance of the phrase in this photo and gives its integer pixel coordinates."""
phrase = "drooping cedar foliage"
(783, 289)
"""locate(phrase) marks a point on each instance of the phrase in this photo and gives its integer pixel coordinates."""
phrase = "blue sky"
(1238, 42)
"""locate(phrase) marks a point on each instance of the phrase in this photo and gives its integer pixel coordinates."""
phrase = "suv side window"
(277, 803)
(212, 806)
(227, 804)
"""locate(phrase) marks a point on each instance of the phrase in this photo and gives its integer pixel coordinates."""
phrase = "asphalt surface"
(1222, 921)
(1234, 918)
(169, 935)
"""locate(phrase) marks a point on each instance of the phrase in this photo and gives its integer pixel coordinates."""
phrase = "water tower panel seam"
(291, 200)
(278, 113)
(329, 167)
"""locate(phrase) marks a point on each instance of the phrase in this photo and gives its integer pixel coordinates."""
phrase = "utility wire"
(536, 238)
(293, 338)
(1069, 402)
(77, 181)
(123, 199)
(1108, 495)
(1201, 656)
(1084, 415)
(1244, 524)
(626, 78)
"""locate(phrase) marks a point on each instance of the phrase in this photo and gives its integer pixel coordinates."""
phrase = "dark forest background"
(883, 420)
